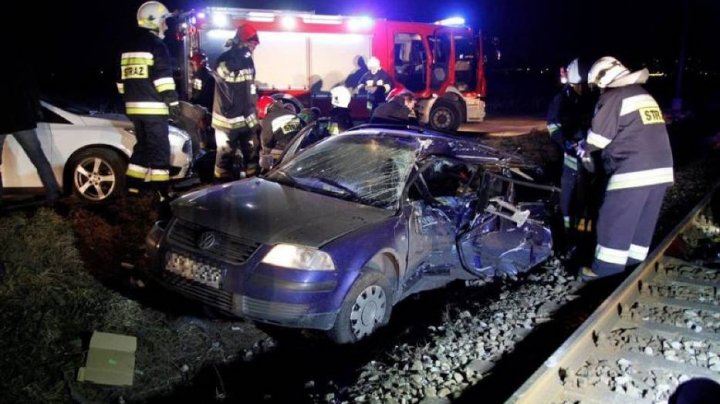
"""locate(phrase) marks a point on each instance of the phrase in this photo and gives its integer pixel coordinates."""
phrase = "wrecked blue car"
(338, 233)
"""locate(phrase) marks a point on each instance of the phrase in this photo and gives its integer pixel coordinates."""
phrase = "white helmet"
(573, 73)
(373, 63)
(151, 14)
(340, 96)
(606, 70)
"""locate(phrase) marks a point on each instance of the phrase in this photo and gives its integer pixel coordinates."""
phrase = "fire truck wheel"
(445, 116)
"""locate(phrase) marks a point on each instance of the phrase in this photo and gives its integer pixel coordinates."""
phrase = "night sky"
(79, 40)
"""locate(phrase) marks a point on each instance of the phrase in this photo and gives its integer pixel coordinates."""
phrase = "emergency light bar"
(451, 22)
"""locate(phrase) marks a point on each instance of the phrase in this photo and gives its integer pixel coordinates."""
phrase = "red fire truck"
(303, 55)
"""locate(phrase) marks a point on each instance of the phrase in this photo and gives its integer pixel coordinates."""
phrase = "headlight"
(299, 257)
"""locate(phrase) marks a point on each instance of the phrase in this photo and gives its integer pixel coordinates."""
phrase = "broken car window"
(367, 169)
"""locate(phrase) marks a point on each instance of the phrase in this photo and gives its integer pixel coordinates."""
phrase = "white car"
(88, 154)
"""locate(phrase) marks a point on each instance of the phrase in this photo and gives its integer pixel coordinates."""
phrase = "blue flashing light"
(452, 21)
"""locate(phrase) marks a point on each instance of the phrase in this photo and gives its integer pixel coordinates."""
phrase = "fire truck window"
(465, 62)
(410, 59)
(441, 48)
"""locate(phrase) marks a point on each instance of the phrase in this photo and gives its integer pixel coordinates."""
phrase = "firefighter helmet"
(340, 96)
(606, 70)
(151, 14)
(373, 64)
(199, 58)
(263, 104)
(576, 72)
(246, 33)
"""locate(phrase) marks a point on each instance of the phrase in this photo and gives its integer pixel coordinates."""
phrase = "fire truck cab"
(303, 55)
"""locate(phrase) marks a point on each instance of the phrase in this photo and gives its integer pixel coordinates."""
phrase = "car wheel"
(97, 175)
(366, 308)
(445, 116)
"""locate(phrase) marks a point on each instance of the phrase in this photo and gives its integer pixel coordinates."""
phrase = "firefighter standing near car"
(202, 80)
(279, 125)
(234, 112)
(148, 88)
(340, 119)
(376, 82)
(629, 130)
(568, 122)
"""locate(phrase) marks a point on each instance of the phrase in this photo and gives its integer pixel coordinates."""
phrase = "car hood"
(271, 213)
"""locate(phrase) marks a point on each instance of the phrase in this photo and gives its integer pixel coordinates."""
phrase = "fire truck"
(302, 55)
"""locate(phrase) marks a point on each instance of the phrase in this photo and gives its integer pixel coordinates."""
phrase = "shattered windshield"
(371, 170)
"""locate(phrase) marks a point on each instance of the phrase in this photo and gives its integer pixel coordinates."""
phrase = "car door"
(17, 169)
(435, 211)
(504, 237)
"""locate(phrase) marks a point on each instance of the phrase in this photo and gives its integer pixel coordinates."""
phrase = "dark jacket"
(569, 117)
(203, 88)
(234, 106)
(630, 130)
(394, 112)
(377, 85)
(145, 75)
(19, 99)
(278, 128)
(340, 120)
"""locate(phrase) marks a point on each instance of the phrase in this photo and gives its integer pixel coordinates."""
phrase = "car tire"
(445, 116)
(366, 308)
(97, 175)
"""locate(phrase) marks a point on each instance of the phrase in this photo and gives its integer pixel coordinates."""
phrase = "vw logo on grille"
(206, 240)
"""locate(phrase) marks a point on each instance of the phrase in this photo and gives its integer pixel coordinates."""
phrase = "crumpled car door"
(505, 239)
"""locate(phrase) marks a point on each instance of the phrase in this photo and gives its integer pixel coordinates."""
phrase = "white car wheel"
(98, 175)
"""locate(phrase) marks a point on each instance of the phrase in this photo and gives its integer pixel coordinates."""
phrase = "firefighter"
(340, 119)
(234, 112)
(400, 110)
(376, 82)
(629, 130)
(203, 82)
(148, 88)
(568, 121)
(279, 126)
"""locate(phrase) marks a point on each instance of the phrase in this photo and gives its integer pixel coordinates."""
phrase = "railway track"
(658, 329)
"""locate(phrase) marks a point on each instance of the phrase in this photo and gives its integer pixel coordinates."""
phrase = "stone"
(480, 366)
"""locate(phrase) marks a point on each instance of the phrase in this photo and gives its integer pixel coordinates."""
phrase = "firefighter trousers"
(149, 166)
(625, 227)
(229, 164)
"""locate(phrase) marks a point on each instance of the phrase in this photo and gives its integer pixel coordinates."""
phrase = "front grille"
(227, 248)
(218, 298)
(272, 310)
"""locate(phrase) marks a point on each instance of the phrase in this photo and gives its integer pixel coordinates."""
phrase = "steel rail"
(653, 285)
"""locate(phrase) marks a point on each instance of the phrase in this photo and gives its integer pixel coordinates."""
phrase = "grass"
(51, 301)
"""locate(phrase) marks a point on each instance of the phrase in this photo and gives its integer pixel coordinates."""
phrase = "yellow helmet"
(151, 14)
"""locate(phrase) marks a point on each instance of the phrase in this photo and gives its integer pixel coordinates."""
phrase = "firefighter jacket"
(278, 128)
(203, 86)
(340, 120)
(377, 85)
(234, 106)
(145, 77)
(394, 112)
(628, 127)
(568, 121)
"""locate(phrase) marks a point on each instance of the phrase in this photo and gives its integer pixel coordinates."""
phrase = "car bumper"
(239, 284)
(296, 315)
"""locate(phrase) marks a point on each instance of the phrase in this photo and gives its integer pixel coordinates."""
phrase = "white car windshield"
(370, 169)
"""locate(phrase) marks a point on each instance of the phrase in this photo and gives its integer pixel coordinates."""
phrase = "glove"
(581, 149)
(588, 163)
(174, 112)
